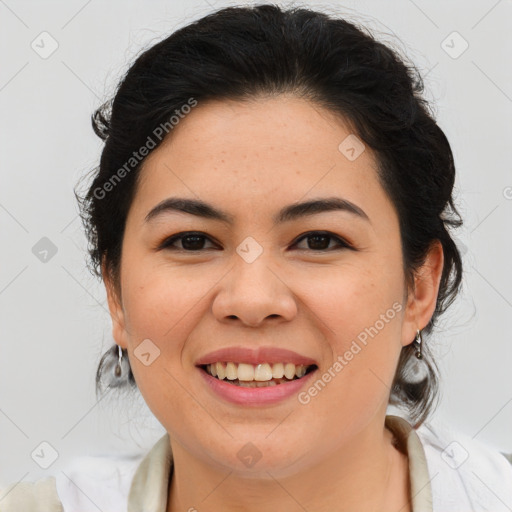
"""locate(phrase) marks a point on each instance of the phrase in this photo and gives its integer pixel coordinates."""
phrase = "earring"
(118, 371)
(416, 370)
(417, 340)
(114, 369)
(122, 370)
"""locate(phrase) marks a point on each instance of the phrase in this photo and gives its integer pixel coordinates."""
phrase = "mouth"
(259, 375)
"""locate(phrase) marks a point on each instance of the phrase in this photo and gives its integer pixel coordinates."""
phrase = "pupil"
(315, 244)
(199, 242)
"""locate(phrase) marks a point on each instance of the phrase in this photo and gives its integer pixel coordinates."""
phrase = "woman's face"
(255, 281)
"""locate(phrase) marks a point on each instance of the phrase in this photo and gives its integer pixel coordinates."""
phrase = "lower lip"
(255, 396)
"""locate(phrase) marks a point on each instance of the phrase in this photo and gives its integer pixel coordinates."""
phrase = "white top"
(449, 472)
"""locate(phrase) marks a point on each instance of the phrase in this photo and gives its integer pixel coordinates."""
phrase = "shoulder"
(30, 496)
(86, 484)
(96, 483)
(465, 471)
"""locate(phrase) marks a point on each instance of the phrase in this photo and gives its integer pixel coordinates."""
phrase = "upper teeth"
(260, 372)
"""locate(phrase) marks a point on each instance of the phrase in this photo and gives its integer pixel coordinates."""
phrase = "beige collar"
(149, 487)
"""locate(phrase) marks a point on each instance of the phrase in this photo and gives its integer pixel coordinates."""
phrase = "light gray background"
(53, 317)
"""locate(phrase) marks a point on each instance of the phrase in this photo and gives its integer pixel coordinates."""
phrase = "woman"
(271, 220)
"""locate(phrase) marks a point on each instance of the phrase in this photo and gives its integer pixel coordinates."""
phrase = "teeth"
(289, 370)
(245, 371)
(260, 373)
(255, 384)
(231, 373)
(263, 372)
(300, 371)
(221, 371)
(277, 370)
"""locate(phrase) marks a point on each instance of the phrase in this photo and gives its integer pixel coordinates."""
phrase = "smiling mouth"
(252, 383)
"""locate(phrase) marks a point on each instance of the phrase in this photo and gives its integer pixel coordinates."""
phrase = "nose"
(253, 293)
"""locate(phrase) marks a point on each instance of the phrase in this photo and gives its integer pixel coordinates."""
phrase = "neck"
(365, 473)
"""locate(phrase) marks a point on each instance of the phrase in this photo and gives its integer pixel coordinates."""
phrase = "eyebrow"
(287, 214)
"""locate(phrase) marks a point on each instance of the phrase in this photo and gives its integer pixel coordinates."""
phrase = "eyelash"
(342, 244)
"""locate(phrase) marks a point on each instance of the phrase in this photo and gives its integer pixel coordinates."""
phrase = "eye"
(190, 240)
(320, 241)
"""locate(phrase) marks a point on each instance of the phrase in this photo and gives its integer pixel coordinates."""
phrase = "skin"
(251, 159)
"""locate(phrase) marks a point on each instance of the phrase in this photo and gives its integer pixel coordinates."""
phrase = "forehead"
(284, 125)
(258, 154)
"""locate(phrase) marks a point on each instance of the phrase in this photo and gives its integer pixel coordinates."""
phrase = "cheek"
(160, 307)
(360, 308)
(349, 297)
(158, 299)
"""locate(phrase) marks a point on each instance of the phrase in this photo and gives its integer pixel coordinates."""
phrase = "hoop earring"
(416, 369)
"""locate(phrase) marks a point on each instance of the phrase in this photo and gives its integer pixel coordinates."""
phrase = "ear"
(115, 307)
(421, 302)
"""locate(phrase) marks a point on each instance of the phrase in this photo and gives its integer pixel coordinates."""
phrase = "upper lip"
(255, 356)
